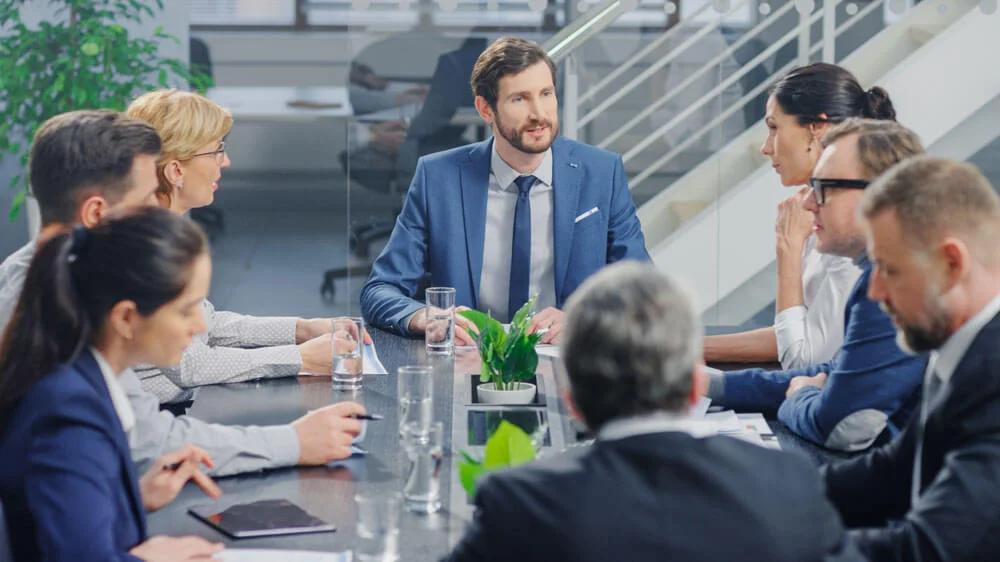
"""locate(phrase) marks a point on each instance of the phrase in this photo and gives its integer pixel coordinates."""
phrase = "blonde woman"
(235, 347)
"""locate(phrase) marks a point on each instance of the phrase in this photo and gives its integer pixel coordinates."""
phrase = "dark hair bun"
(878, 105)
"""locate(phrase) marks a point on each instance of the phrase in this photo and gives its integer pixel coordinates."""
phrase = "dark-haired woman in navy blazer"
(96, 302)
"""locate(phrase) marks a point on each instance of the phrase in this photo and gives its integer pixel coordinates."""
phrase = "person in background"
(655, 485)
(813, 287)
(96, 302)
(235, 347)
(870, 388)
(84, 164)
(526, 213)
(933, 493)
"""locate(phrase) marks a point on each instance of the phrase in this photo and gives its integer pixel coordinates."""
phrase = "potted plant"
(508, 359)
(81, 57)
(508, 446)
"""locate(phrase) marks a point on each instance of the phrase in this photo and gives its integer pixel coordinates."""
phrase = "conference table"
(328, 491)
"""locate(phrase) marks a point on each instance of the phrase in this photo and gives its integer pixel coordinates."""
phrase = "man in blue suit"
(525, 213)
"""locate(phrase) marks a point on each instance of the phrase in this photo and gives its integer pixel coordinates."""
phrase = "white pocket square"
(585, 215)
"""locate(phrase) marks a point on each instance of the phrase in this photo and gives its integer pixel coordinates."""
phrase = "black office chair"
(211, 221)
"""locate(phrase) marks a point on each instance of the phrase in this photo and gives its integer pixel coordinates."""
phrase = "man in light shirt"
(870, 388)
(85, 163)
(526, 213)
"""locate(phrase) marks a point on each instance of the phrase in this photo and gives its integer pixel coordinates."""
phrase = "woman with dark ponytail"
(96, 302)
(812, 287)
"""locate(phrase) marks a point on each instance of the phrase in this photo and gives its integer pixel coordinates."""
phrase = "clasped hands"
(798, 383)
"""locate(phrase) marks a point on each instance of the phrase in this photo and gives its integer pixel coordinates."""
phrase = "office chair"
(5, 553)
(211, 221)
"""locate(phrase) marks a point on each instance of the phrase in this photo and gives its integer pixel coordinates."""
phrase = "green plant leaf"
(468, 473)
(15, 207)
(478, 318)
(90, 49)
(521, 316)
(508, 446)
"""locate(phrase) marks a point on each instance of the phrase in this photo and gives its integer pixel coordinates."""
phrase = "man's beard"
(514, 136)
(931, 335)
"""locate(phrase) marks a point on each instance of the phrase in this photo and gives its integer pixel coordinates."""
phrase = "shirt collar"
(657, 422)
(862, 261)
(954, 349)
(506, 175)
(118, 397)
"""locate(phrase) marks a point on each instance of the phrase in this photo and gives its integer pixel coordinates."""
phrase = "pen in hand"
(371, 417)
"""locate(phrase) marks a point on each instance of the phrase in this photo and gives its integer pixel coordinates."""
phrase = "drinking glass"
(416, 398)
(348, 352)
(422, 480)
(440, 313)
(377, 526)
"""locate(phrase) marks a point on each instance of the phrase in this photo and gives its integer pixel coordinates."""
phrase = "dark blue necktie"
(520, 257)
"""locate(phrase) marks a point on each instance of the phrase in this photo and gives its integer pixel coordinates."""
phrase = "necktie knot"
(524, 183)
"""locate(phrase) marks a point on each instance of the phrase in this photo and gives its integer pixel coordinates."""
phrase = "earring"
(180, 186)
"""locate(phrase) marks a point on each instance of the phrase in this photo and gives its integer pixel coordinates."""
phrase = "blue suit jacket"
(442, 228)
(871, 385)
(67, 480)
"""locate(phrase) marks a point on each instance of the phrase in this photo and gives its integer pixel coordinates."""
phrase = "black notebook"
(261, 519)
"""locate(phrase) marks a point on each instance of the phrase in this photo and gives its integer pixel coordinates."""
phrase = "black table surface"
(328, 491)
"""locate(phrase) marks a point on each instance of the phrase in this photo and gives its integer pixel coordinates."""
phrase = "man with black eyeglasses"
(870, 387)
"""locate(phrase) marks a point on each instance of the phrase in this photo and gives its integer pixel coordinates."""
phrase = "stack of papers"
(752, 428)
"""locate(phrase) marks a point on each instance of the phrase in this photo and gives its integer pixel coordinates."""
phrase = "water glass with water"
(422, 480)
(377, 526)
(416, 398)
(348, 352)
(440, 314)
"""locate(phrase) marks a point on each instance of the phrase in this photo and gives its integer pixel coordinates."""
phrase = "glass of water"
(440, 314)
(416, 398)
(348, 352)
(377, 526)
(422, 480)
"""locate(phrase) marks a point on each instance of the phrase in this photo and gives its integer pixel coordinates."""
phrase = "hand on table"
(176, 549)
(162, 482)
(313, 328)
(551, 320)
(794, 223)
(418, 325)
(798, 383)
(325, 435)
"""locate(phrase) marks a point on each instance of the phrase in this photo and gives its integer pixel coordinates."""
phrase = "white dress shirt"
(656, 422)
(494, 281)
(118, 397)
(813, 333)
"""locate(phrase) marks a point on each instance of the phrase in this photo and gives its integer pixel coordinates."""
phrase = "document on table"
(265, 555)
(372, 365)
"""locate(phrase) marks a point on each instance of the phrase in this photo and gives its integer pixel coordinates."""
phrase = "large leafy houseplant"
(507, 357)
(81, 57)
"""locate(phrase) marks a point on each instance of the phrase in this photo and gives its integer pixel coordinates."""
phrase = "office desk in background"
(328, 492)
(271, 103)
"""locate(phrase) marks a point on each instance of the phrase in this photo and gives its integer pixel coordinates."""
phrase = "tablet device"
(262, 518)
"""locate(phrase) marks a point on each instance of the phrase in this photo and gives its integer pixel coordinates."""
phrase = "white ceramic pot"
(523, 393)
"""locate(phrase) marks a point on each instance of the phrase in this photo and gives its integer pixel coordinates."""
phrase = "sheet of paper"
(698, 410)
(371, 364)
(266, 555)
(757, 424)
(725, 422)
(547, 350)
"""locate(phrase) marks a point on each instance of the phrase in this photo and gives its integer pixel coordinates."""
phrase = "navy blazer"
(655, 497)
(442, 228)
(67, 480)
(958, 514)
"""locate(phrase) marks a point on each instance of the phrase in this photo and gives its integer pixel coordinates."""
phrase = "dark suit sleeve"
(874, 488)
(625, 238)
(387, 298)
(954, 515)
(68, 489)
(485, 539)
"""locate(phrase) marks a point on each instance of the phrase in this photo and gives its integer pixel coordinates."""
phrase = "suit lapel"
(475, 184)
(566, 175)
(87, 365)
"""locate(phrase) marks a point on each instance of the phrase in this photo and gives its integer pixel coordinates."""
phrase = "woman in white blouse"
(235, 347)
(812, 287)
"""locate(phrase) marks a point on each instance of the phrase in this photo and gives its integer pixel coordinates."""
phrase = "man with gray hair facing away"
(934, 492)
(653, 486)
